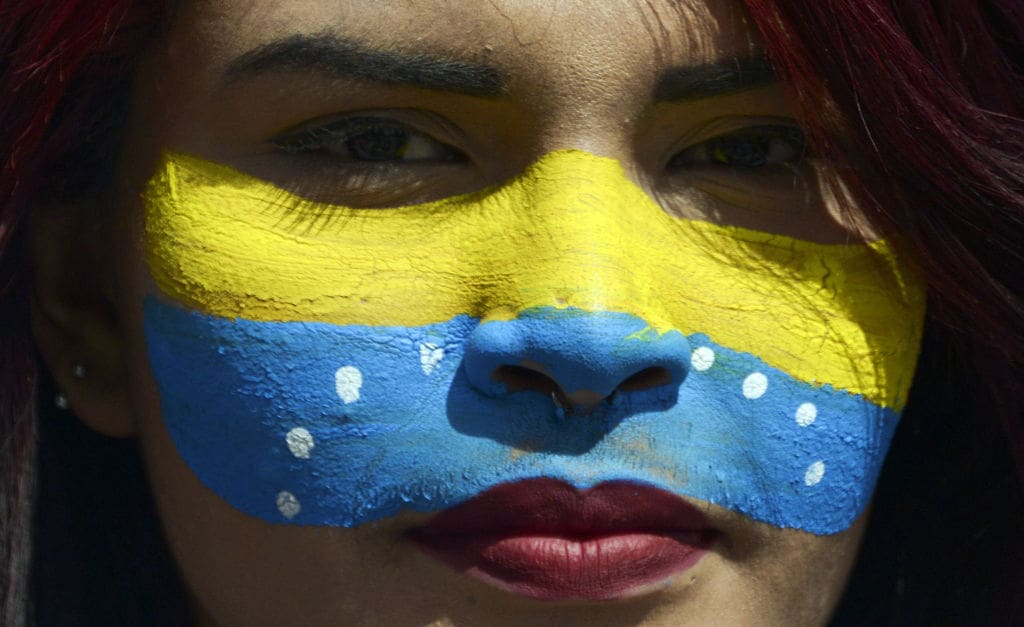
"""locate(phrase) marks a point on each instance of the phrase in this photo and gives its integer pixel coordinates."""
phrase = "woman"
(626, 352)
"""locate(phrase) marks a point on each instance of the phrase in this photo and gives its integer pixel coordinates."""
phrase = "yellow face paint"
(570, 231)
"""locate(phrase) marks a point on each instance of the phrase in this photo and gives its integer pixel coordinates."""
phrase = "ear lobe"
(74, 320)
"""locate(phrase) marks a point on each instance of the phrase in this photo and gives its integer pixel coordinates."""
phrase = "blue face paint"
(319, 424)
(339, 370)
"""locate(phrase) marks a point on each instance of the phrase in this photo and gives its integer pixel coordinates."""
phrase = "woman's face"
(617, 359)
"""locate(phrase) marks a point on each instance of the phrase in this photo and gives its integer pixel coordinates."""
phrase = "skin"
(579, 75)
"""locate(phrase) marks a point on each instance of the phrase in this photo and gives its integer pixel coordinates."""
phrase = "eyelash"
(377, 141)
(369, 140)
(746, 149)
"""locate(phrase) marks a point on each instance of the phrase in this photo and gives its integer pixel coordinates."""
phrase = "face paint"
(325, 365)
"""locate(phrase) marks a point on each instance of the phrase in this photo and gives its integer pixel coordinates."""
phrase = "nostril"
(521, 379)
(647, 379)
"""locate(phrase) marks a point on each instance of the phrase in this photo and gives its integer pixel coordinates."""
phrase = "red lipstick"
(543, 538)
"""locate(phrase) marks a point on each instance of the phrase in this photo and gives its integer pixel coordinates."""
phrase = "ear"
(73, 315)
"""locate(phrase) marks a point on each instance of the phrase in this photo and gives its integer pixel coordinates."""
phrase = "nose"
(579, 359)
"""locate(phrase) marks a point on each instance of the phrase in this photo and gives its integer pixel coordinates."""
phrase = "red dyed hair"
(59, 59)
(919, 105)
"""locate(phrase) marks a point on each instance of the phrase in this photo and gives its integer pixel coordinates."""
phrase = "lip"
(544, 539)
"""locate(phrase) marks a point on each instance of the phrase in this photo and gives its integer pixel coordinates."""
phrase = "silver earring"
(79, 371)
(61, 400)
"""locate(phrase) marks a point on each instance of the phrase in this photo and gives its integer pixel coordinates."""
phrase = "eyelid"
(785, 129)
(427, 123)
(727, 125)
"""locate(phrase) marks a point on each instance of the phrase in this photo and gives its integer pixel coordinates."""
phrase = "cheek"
(344, 376)
(244, 571)
(789, 577)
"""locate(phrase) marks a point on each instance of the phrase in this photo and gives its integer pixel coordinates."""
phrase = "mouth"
(544, 539)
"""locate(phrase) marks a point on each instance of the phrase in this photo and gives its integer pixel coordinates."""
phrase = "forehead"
(572, 73)
(528, 40)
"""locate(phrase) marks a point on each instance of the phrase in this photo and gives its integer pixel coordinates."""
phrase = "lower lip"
(562, 569)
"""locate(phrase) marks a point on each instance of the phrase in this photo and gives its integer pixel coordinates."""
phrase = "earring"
(79, 372)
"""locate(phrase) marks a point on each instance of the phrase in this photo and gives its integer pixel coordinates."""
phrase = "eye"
(751, 147)
(369, 139)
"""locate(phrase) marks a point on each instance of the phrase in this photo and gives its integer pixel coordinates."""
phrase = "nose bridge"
(572, 235)
(581, 325)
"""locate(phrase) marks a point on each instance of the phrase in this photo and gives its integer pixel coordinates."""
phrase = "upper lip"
(551, 507)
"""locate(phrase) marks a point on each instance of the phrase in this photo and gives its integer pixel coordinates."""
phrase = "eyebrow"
(343, 58)
(715, 79)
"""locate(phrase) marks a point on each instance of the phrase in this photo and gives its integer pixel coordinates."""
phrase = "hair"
(918, 104)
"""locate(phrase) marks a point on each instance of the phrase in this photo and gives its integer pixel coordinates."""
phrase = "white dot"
(755, 385)
(806, 414)
(347, 381)
(430, 356)
(814, 473)
(702, 359)
(287, 504)
(300, 442)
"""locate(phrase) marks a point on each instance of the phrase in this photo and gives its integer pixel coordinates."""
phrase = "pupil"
(379, 144)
